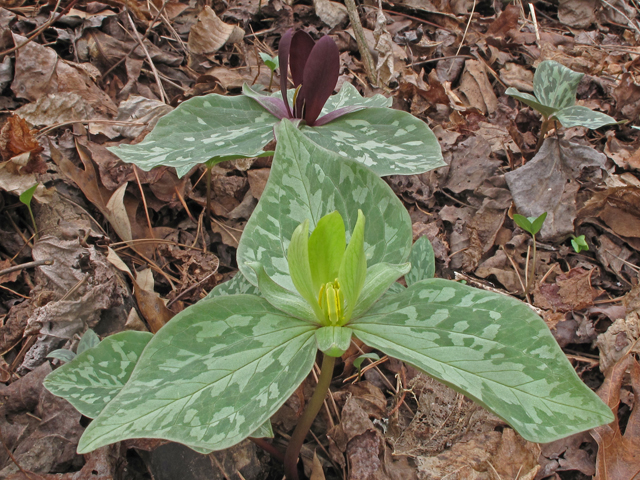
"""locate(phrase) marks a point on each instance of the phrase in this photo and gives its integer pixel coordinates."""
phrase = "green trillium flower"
(332, 281)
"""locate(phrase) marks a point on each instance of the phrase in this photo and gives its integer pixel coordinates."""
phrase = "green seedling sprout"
(357, 363)
(554, 96)
(88, 341)
(532, 225)
(25, 198)
(272, 63)
(579, 244)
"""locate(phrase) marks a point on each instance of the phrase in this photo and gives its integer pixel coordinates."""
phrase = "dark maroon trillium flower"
(315, 67)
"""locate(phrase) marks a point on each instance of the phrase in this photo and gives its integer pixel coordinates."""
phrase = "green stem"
(546, 126)
(309, 415)
(208, 180)
(532, 279)
(271, 81)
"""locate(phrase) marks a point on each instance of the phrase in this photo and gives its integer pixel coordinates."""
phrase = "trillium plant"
(213, 128)
(319, 260)
(554, 96)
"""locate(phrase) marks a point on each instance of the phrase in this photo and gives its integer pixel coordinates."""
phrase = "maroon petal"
(274, 106)
(301, 46)
(320, 78)
(283, 57)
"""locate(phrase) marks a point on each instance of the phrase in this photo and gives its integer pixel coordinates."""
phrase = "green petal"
(326, 249)
(333, 341)
(353, 270)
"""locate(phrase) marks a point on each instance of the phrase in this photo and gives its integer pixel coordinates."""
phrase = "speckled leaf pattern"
(210, 377)
(204, 129)
(308, 182)
(349, 96)
(423, 262)
(490, 347)
(579, 116)
(97, 375)
(531, 101)
(555, 85)
(389, 142)
(238, 284)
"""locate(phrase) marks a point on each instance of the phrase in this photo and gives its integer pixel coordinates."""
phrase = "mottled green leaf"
(326, 249)
(206, 129)
(264, 431)
(308, 182)
(353, 270)
(555, 85)
(333, 341)
(210, 377)
(349, 96)
(299, 267)
(531, 101)
(62, 354)
(93, 378)
(371, 356)
(281, 298)
(380, 278)
(579, 116)
(237, 285)
(389, 142)
(490, 347)
(88, 340)
(423, 261)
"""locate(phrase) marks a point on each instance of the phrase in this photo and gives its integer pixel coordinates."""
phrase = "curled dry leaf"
(619, 455)
(210, 34)
(619, 208)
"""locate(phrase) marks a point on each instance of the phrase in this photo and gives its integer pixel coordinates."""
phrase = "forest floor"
(77, 77)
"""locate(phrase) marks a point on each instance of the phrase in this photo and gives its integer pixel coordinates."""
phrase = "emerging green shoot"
(25, 198)
(272, 63)
(579, 244)
(531, 225)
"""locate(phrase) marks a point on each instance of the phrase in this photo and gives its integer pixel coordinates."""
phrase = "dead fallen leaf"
(571, 291)
(471, 165)
(619, 455)
(210, 34)
(476, 87)
(548, 183)
(619, 208)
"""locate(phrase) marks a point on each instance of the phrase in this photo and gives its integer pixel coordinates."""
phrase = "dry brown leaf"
(476, 87)
(619, 208)
(17, 138)
(571, 291)
(210, 34)
(619, 455)
(548, 183)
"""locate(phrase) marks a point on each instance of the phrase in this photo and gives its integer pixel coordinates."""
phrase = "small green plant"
(320, 257)
(579, 244)
(272, 64)
(554, 96)
(532, 225)
(25, 198)
(88, 340)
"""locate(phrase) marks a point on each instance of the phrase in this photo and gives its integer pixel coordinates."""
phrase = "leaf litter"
(448, 62)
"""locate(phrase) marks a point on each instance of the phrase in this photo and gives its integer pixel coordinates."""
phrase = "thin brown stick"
(163, 95)
(192, 287)
(13, 459)
(358, 32)
(16, 268)
(144, 201)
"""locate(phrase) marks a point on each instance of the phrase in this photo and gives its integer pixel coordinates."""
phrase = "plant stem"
(361, 40)
(208, 180)
(271, 81)
(544, 128)
(304, 424)
(532, 279)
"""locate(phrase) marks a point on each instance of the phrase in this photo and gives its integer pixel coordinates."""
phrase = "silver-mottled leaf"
(88, 340)
(532, 101)
(349, 96)
(579, 116)
(62, 354)
(389, 142)
(423, 262)
(555, 85)
(308, 182)
(237, 285)
(210, 377)
(95, 377)
(264, 431)
(490, 347)
(206, 129)
(380, 278)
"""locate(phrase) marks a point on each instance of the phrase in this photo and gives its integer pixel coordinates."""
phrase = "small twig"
(13, 459)
(163, 95)
(144, 202)
(192, 287)
(42, 28)
(16, 268)
(422, 62)
(631, 24)
(466, 29)
(535, 22)
(14, 292)
(72, 122)
(361, 40)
